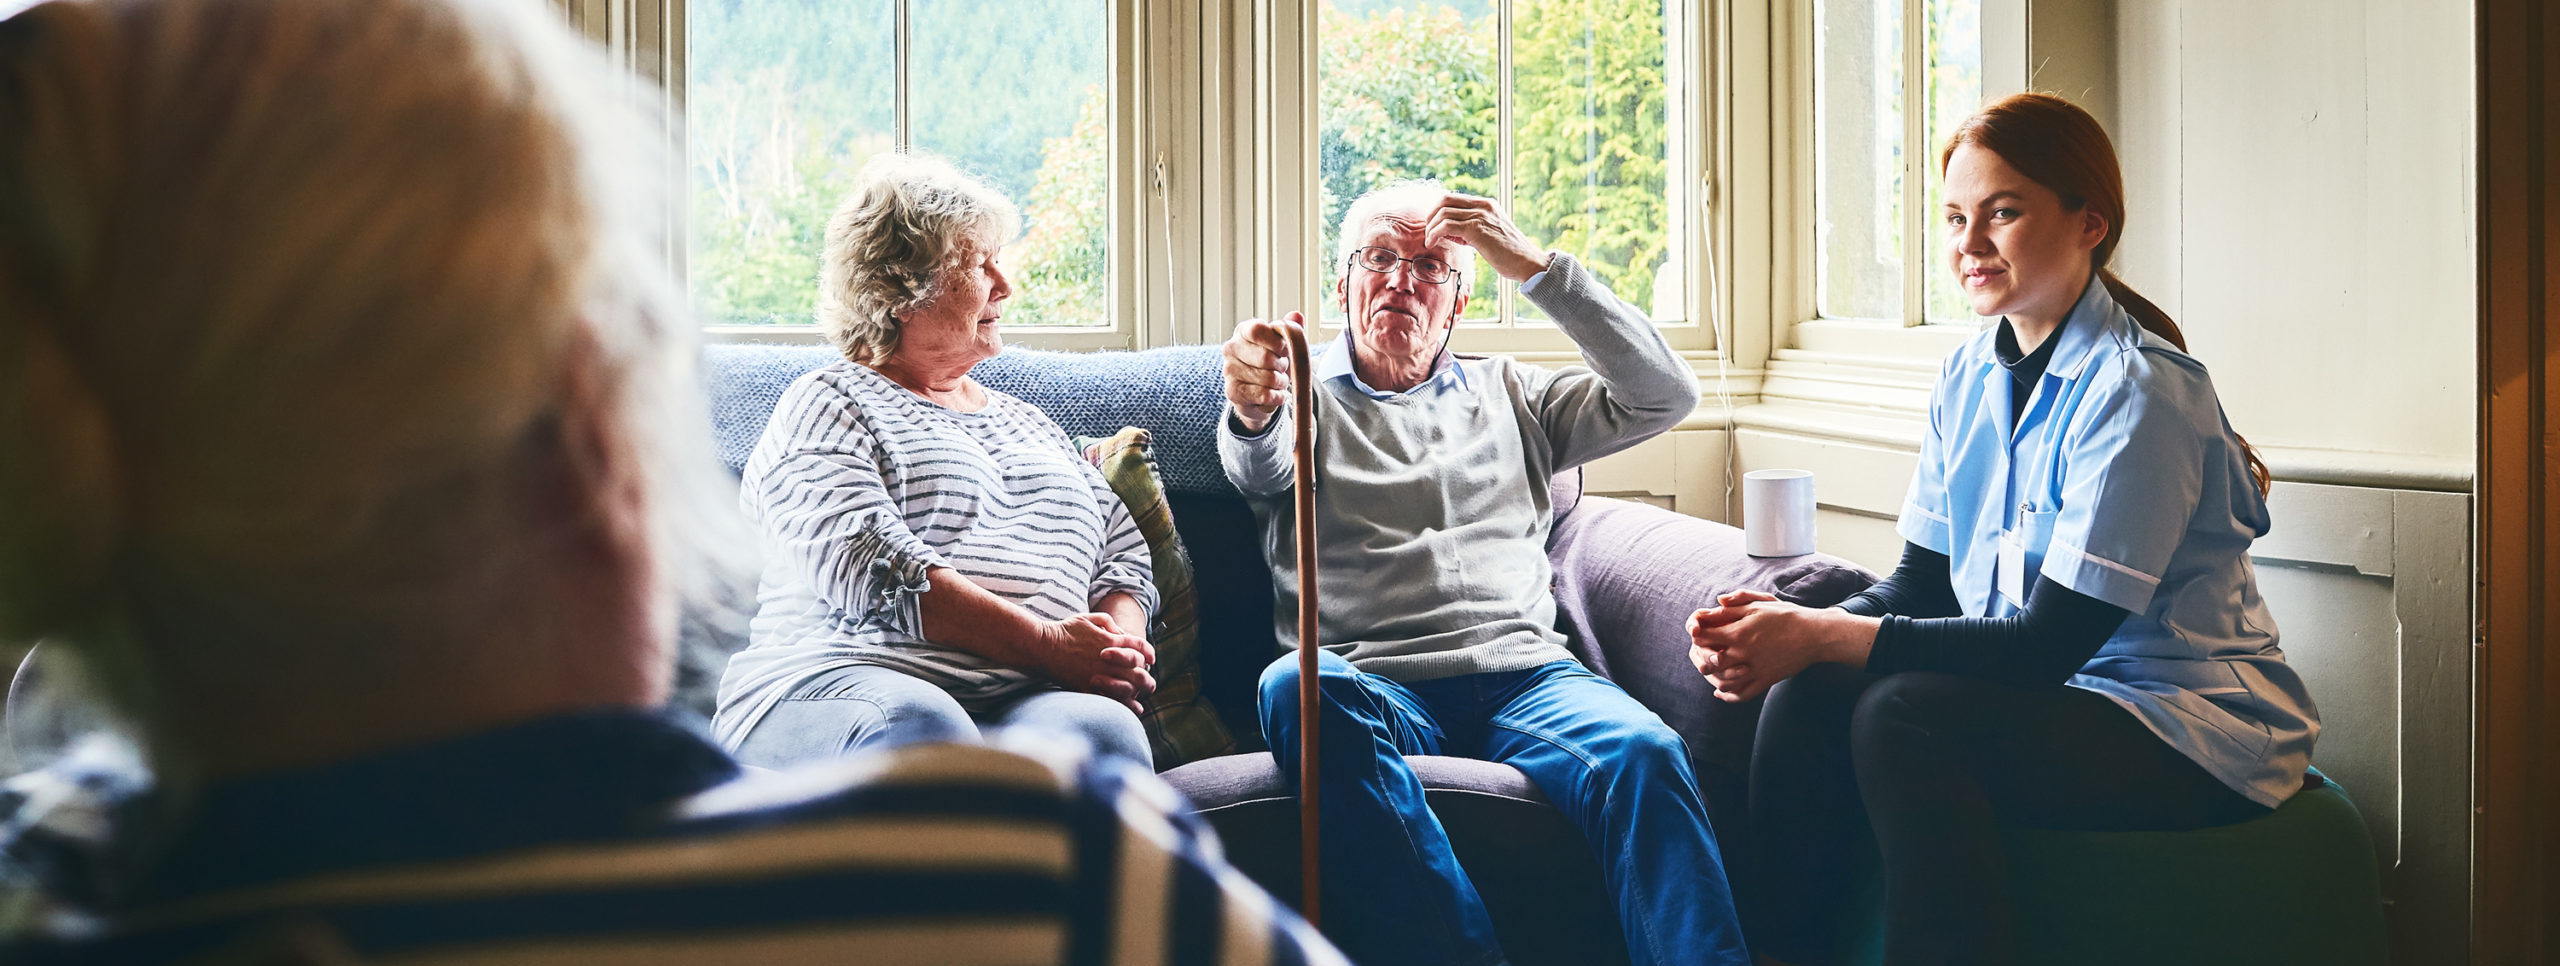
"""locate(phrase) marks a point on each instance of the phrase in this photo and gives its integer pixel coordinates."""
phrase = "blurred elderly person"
(348, 443)
(943, 555)
(1437, 624)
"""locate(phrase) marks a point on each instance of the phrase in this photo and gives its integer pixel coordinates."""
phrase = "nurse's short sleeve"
(1924, 509)
(2132, 476)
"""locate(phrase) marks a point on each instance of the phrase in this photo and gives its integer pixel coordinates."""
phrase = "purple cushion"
(1628, 576)
(1564, 492)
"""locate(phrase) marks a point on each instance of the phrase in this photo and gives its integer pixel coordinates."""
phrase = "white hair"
(910, 220)
(1415, 197)
(289, 289)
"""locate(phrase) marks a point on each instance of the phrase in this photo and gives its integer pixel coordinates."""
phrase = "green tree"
(765, 183)
(1060, 264)
(1955, 91)
(991, 81)
(782, 108)
(788, 98)
(1410, 93)
(1588, 164)
(1400, 95)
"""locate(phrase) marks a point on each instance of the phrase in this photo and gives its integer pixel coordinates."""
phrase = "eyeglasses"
(1426, 269)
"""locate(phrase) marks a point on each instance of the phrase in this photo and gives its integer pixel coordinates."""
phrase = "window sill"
(1881, 340)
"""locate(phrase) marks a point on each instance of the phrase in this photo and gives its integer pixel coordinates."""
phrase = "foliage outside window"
(1583, 145)
(786, 99)
(1878, 237)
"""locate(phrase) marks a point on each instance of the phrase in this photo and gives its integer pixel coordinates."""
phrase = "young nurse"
(2074, 637)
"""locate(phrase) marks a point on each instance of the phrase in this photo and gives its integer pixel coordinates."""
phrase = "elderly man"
(1437, 624)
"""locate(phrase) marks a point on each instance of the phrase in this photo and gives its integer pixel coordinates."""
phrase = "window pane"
(1858, 160)
(1591, 113)
(784, 101)
(1404, 89)
(1019, 91)
(1955, 90)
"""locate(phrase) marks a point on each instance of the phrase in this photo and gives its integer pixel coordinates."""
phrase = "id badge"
(2013, 568)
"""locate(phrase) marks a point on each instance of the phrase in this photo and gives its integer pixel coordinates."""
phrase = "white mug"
(1777, 513)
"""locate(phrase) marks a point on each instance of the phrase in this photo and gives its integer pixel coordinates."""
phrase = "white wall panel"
(2298, 174)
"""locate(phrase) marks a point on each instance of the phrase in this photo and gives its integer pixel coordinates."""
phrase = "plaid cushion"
(1180, 723)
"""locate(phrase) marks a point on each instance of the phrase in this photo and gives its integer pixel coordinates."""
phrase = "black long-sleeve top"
(1925, 630)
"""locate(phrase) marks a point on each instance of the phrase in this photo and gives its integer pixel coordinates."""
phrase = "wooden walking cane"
(1302, 395)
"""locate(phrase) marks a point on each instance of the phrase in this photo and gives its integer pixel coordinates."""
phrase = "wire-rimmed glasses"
(1426, 269)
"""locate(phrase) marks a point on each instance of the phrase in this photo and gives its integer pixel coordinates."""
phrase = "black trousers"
(1934, 764)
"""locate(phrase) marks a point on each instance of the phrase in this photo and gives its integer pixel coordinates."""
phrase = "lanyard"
(2044, 488)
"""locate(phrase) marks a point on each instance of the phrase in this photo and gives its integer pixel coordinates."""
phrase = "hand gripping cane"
(1303, 462)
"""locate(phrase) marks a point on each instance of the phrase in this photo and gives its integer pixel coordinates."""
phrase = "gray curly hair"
(911, 219)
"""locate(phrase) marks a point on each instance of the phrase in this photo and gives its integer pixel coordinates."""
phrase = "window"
(1877, 239)
(786, 99)
(1574, 114)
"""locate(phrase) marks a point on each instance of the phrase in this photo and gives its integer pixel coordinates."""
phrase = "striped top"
(623, 837)
(861, 487)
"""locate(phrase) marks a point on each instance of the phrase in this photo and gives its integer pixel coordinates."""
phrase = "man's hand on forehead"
(1480, 224)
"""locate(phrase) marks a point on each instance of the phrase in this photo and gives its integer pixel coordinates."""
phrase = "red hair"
(2056, 144)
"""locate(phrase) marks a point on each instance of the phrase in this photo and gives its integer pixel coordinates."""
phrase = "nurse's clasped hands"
(1751, 640)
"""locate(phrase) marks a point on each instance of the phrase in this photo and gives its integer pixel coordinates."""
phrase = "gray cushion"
(1243, 781)
(1536, 874)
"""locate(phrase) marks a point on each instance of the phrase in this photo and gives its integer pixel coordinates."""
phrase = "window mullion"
(901, 120)
(1915, 166)
(1507, 314)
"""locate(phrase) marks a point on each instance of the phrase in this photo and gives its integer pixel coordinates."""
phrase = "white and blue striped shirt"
(862, 487)
(621, 837)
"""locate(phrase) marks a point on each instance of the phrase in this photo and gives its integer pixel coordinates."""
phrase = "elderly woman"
(348, 444)
(942, 556)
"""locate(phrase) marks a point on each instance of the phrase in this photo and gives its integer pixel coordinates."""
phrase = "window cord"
(1164, 220)
(1724, 340)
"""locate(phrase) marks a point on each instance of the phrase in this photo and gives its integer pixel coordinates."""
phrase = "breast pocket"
(2022, 552)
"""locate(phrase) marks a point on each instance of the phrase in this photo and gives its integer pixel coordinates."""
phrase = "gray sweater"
(1432, 537)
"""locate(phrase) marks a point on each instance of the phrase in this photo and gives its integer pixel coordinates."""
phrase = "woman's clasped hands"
(1092, 652)
(1750, 640)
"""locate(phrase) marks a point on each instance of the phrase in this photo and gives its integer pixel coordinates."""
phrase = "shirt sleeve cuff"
(1531, 284)
(1929, 530)
(1116, 580)
(1258, 465)
(2098, 577)
(898, 579)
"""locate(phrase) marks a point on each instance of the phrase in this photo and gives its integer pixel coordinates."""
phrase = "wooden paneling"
(2516, 782)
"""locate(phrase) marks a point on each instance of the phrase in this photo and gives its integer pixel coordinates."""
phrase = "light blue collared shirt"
(2120, 480)
(1334, 362)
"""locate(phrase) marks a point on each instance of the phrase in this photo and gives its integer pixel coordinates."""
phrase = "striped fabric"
(861, 487)
(567, 849)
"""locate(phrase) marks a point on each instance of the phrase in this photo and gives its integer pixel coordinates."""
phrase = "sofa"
(2301, 885)
(1627, 575)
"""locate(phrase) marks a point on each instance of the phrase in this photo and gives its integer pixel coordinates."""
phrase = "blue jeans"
(1393, 892)
(875, 707)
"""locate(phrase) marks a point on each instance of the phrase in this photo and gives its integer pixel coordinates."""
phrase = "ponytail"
(2158, 323)
(2056, 144)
